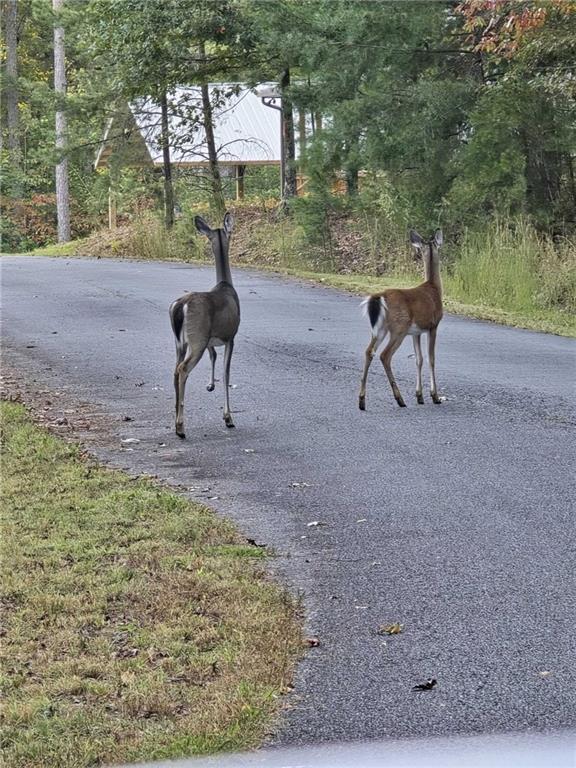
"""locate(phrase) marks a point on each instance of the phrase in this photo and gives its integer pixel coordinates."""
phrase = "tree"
(149, 47)
(62, 187)
(520, 153)
(289, 154)
(217, 192)
(11, 86)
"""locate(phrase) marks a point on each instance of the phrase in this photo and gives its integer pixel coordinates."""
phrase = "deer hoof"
(181, 434)
(419, 398)
(401, 402)
(362, 404)
(229, 423)
(210, 387)
(436, 399)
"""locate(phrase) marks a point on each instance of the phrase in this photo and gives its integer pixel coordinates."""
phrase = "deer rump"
(195, 316)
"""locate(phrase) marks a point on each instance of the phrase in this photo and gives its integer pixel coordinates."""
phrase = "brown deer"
(204, 321)
(407, 311)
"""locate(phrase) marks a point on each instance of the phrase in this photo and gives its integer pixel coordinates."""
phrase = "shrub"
(32, 223)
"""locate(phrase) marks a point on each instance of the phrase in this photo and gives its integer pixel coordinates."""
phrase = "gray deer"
(204, 321)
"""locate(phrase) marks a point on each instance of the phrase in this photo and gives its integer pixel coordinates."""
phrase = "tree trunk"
(14, 153)
(215, 178)
(351, 166)
(570, 162)
(168, 187)
(62, 191)
(352, 181)
(302, 133)
(289, 190)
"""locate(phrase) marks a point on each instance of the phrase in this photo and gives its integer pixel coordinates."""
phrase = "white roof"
(245, 130)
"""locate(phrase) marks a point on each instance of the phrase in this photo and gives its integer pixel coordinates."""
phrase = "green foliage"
(455, 130)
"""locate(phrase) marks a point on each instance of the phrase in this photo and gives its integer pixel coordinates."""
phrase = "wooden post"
(240, 170)
(112, 218)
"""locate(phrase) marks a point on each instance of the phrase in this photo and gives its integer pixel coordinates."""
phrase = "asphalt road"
(454, 520)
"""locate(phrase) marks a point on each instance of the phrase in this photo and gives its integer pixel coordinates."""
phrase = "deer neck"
(432, 267)
(220, 249)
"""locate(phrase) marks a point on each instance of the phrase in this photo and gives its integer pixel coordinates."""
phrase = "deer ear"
(228, 223)
(416, 240)
(201, 226)
(438, 238)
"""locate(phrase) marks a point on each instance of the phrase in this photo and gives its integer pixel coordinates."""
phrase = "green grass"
(136, 625)
(57, 249)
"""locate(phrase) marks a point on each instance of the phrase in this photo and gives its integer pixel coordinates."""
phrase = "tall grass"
(151, 240)
(509, 265)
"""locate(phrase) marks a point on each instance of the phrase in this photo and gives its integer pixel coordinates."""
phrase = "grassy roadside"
(556, 322)
(561, 323)
(507, 274)
(136, 625)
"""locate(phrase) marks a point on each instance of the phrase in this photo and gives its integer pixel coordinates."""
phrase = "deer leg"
(180, 355)
(182, 372)
(431, 362)
(386, 358)
(228, 349)
(419, 359)
(369, 356)
(212, 353)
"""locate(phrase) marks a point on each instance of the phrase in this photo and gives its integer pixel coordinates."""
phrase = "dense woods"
(454, 113)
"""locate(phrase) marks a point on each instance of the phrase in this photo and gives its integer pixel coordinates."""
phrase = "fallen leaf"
(315, 523)
(390, 629)
(249, 450)
(427, 686)
(299, 485)
(313, 642)
(130, 441)
(544, 673)
(127, 677)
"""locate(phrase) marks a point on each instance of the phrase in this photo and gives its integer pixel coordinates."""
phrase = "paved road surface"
(454, 520)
